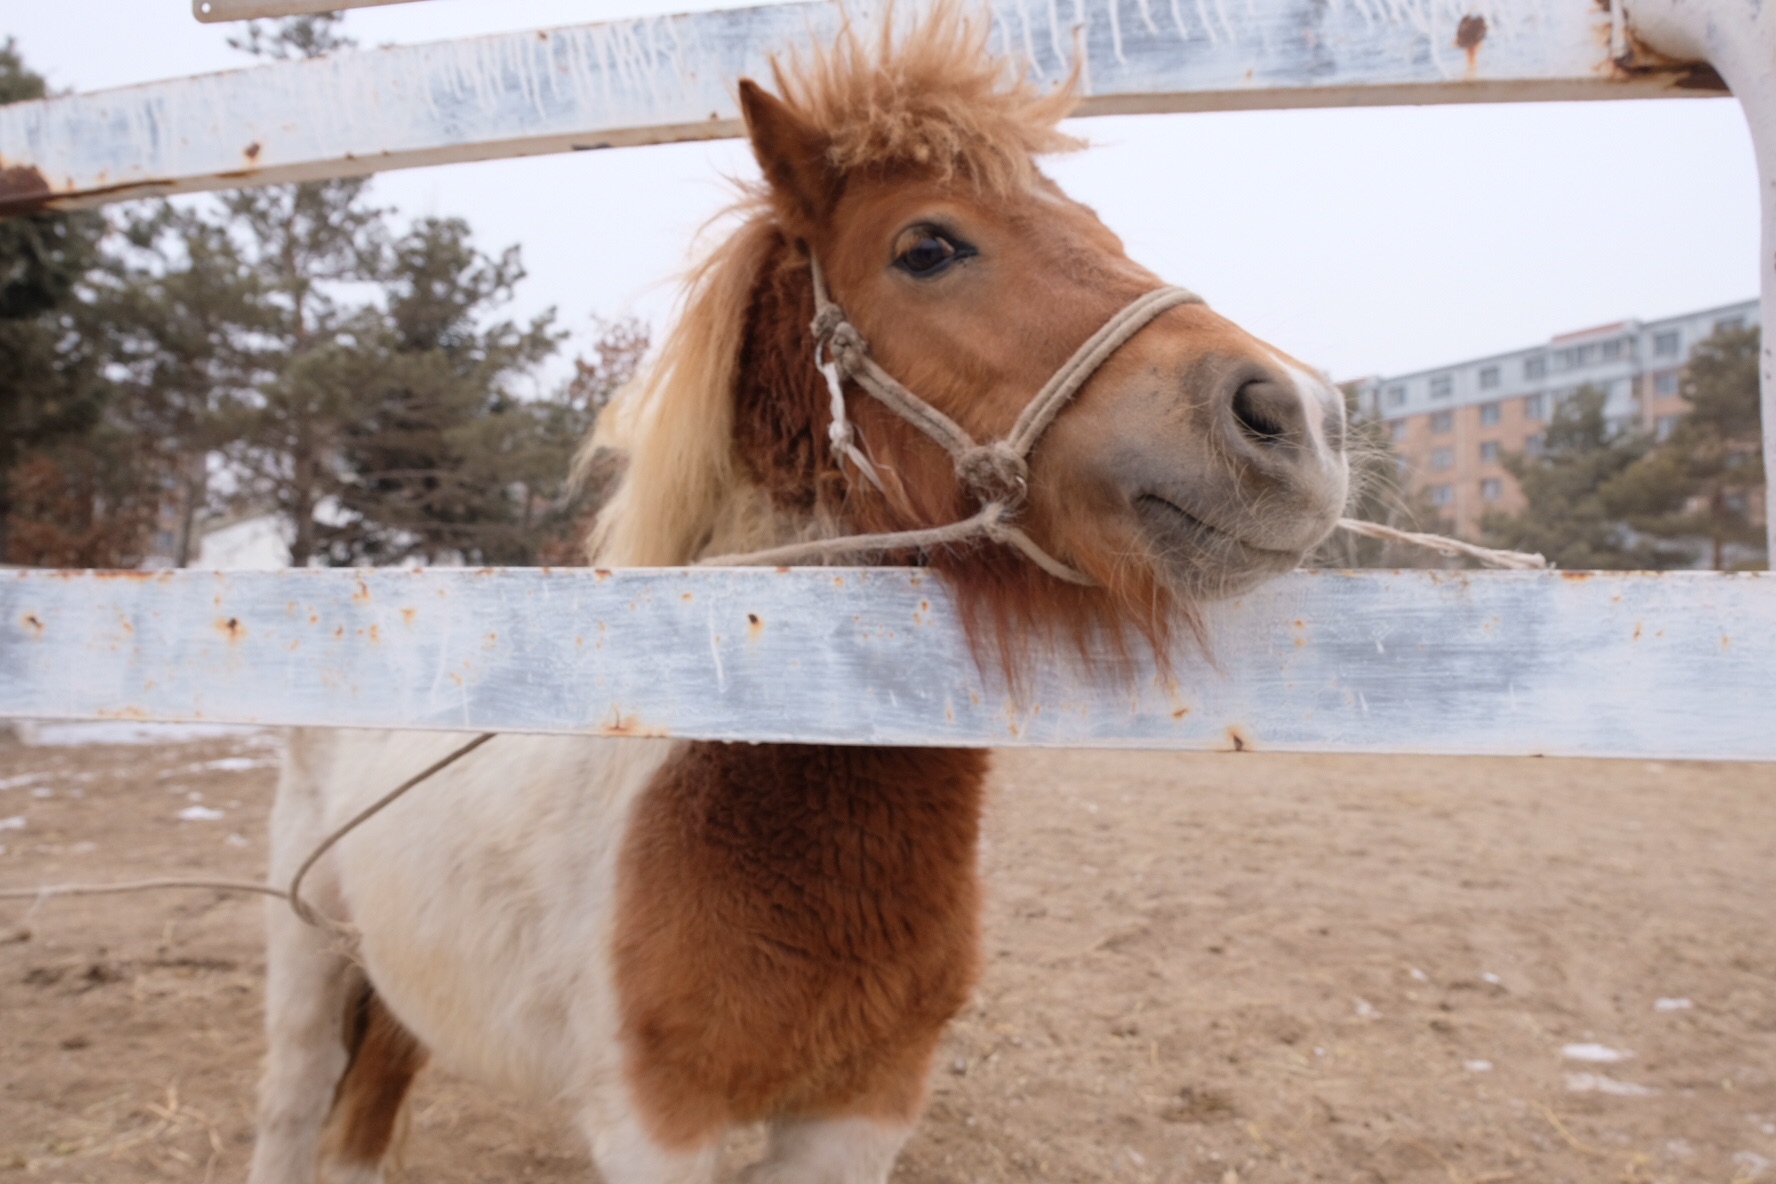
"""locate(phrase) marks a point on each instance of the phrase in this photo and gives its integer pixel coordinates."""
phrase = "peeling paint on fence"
(658, 79)
(1679, 665)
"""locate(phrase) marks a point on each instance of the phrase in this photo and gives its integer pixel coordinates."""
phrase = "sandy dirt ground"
(1225, 969)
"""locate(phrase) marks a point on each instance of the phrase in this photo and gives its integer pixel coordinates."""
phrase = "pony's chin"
(1202, 562)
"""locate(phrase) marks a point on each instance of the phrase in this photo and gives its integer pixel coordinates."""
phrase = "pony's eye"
(923, 251)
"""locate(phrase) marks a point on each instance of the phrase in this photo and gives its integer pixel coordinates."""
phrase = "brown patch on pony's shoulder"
(367, 1105)
(795, 926)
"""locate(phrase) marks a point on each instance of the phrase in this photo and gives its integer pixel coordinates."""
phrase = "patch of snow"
(16, 822)
(1672, 1004)
(75, 733)
(1751, 1165)
(21, 779)
(199, 814)
(1588, 1083)
(1477, 1066)
(1366, 1010)
(1596, 1054)
(234, 764)
(1419, 975)
(1490, 977)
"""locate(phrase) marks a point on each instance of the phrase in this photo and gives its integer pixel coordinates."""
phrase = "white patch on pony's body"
(485, 902)
(516, 849)
(829, 1151)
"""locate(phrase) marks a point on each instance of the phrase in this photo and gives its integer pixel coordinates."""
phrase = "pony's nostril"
(1261, 413)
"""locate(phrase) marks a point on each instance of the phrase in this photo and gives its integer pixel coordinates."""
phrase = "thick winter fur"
(665, 939)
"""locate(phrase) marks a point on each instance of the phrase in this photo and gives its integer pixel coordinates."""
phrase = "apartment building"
(1452, 426)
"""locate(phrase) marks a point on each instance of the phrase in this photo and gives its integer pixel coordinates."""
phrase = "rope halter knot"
(995, 473)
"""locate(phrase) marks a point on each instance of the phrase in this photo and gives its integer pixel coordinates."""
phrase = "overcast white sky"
(1367, 241)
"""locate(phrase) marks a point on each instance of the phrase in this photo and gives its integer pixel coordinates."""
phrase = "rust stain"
(755, 627)
(1180, 713)
(32, 622)
(251, 152)
(490, 641)
(688, 596)
(408, 614)
(375, 634)
(1639, 60)
(1577, 577)
(629, 725)
(362, 595)
(1469, 33)
(231, 628)
(339, 631)
(1236, 736)
(601, 573)
(1637, 627)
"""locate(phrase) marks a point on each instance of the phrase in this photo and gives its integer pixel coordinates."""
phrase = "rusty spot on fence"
(375, 634)
(1577, 577)
(1468, 36)
(1640, 60)
(755, 627)
(231, 628)
(1637, 628)
(629, 725)
(1237, 737)
(251, 152)
(362, 595)
(408, 613)
(32, 622)
(1180, 713)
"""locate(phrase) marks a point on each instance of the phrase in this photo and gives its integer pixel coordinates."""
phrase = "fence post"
(1739, 41)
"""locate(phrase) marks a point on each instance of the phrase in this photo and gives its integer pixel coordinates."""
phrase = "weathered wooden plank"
(210, 11)
(670, 78)
(1679, 665)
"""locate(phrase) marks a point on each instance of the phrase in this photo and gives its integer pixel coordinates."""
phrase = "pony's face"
(1196, 450)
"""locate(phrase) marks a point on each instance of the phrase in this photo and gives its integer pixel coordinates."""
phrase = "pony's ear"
(793, 155)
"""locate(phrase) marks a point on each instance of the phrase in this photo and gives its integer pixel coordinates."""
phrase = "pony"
(669, 939)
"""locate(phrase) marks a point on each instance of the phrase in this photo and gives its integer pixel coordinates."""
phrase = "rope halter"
(996, 474)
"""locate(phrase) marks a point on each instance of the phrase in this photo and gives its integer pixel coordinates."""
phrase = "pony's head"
(1195, 462)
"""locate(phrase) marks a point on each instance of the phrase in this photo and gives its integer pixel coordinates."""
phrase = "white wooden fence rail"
(1674, 665)
(1450, 662)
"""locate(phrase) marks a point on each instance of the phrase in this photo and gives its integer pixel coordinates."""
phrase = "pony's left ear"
(793, 155)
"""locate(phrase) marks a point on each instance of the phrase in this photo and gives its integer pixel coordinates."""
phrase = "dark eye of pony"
(925, 251)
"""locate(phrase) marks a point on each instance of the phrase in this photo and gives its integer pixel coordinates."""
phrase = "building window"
(1536, 367)
(1397, 428)
(1442, 386)
(1666, 344)
(1612, 349)
(1532, 407)
(1665, 383)
(1726, 324)
(1532, 445)
(1443, 458)
(1489, 412)
(1491, 489)
(1489, 451)
(1442, 495)
(1663, 425)
(1443, 421)
(1396, 396)
(1489, 377)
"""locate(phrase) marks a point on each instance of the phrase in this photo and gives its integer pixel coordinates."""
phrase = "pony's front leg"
(626, 1154)
(829, 1151)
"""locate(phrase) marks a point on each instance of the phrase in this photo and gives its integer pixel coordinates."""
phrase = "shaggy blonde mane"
(932, 97)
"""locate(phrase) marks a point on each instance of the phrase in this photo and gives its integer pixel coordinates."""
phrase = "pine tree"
(1703, 481)
(431, 459)
(1571, 516)
(52, 389)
